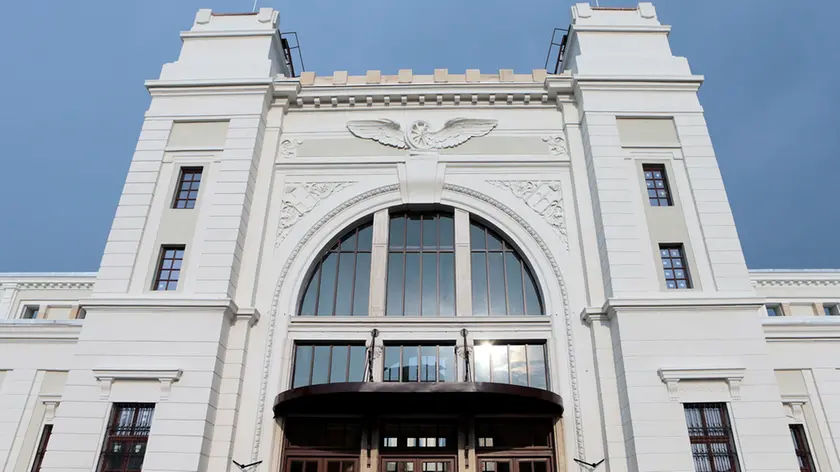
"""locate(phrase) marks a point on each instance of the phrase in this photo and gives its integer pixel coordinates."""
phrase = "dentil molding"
(544, 197)
(732, 377)
(106, 378)
(300, 198)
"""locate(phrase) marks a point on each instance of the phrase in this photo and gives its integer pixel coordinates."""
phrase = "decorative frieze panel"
(544, 197)
(289, 147)
(556, 145)
(419, 136)
(299, 198)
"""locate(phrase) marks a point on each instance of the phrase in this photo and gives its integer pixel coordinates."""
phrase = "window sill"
(421, 320)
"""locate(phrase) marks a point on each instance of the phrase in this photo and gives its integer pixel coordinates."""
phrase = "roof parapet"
(407, 76)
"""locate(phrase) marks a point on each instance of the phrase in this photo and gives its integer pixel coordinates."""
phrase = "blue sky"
(71, 88)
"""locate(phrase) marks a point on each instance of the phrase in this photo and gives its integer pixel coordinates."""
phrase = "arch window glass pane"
(502, 284)
(340, 283)
(518, 364)
(421, 264)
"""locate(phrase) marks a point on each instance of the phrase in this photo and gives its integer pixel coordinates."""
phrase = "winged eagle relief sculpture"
(419, 136)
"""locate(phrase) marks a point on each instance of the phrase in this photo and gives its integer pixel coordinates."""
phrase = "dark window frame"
(133, 435)
(443, 429)
(420, 346)
(657, 185)
(189, 184)
(526, 274)
(332, 346)
(30, 312)
(402, 248)
(774, 310)
(671, 266)
(802, 448)
(315, 279)
(538, 343)
(173, 274)
(712, 435)
(43, 442)
(831, 309)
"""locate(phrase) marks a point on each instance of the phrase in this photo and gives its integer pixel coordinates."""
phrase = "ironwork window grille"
(502, 284)
(187, 192)
(42, 448)
(340, 284)
(421, 264)
(125, 440)
(423, 363)
(517, 364)
(169, 268)
(319, 364)
(674, 266)
(800, 445)
(656, 182)
(710, 433)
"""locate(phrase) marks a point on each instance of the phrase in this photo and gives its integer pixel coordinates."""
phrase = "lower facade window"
(325, 363)
(169, 268)
(423, 363)
(674, 266)
(831, 309)
(517, 364)
(42, 448)
(126, 438)
(774, 310)
(803, 451)
(710, 433)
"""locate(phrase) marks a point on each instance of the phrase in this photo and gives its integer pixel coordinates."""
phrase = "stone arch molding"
(359, 205)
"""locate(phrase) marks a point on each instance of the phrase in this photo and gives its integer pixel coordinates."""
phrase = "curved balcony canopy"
(419, 397)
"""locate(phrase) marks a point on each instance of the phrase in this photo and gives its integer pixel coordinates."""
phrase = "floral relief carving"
(544, 197)
(288, 148)
(299, 198)
(556, 145)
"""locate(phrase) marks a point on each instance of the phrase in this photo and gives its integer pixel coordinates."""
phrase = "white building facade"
(422, 273)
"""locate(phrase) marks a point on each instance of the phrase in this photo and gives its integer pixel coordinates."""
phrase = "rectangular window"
(674, 266)
(169, 268)
(800, 445)
(324, 363)
(126, 437)
(831, 309)
(419, 436)
(42, 448)
(518, 364)
(710, 433)
(774, 310)
(30, 312)
(656, 183)
(187, 192)
(423, 363)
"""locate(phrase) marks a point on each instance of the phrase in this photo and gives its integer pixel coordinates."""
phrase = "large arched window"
(340, 284)
(411, 270)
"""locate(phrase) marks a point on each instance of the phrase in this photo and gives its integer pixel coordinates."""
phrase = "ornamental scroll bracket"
(299, 198)
(544, 197)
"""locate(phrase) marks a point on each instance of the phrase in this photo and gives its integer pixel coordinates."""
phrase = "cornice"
(731, 375)
(40, 331)
(654, 83)
(166, 377)
(796, 282)
(682, 303)
(456, 322)
(157, 303)
(620, 28)
(811, 328)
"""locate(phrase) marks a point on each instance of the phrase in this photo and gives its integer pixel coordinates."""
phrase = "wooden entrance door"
(415, 464)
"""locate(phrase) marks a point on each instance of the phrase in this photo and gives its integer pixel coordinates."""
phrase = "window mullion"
(378, 264)
(463, 270)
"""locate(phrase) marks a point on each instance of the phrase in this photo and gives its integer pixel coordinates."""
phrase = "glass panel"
(338, 369)
(333, 466)
(479, 283)
(357, 364)
(493, 241)
(518, 367)
(540, 466)
(446, 367)
(525, 466)
(497, 284)
(362, 289)
(412, 284)
(536, 366)
(412, 232)
(348, 466)
(303, 362)
(396, 236)
(430, 277)
(499, 363)
(346, 275)
(392, 364)
(430, 229)
(348, 242)
(503, 467)
(390, 466)
(410, 363)
(395, 284)
(447, 284)
(321, 365)
(365, 237)
(428, 363)
(513, 267)
(482, 362)
(447, 232)
(532, 300)
(477, 238)
(327, 288)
